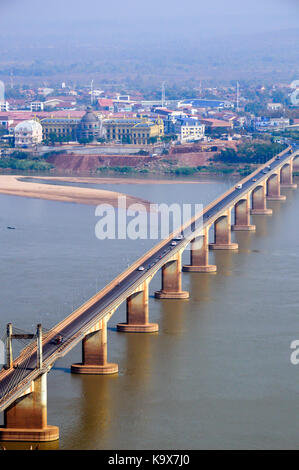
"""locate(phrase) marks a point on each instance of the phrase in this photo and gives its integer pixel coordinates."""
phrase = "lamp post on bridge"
(9, 359)
(39, 339)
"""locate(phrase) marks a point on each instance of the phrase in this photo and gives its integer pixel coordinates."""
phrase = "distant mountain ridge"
(265, 56)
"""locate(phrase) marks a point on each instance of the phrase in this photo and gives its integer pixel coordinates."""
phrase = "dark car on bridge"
(57, 339)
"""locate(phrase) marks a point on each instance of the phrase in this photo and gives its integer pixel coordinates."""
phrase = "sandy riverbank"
(16, 186)
(112, 180)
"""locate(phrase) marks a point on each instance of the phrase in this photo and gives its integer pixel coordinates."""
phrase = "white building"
(279, 122)
(191, 130)
(36, 106)
(4, 106)
(28, 134)
(274, 106)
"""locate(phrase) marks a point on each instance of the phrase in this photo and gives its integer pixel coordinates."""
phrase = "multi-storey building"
(4, 106)
(189, 129)
(36, 106)
(28, 134)
(135, 131)
(88, 127)
(61, 127)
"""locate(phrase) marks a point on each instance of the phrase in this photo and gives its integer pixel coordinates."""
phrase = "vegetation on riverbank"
(16, 164)
(181, 170)
(19, 160)
(253, 152)
(25, 165)
(241, 161)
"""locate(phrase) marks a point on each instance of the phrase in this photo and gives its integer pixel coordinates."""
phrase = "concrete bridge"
(23, 381)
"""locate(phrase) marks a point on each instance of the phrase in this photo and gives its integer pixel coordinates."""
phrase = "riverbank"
(110, 180)
(16, 185)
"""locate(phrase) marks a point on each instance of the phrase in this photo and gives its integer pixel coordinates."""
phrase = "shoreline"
(110, 180)
(14, 185)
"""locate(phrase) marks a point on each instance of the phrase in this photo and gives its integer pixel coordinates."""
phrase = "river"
(217, 375)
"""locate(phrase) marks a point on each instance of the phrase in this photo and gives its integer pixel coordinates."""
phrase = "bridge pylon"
(94, 353)
(259, 201)
(286, 176)
(242, 216)
(273, 188)
(199, 255)
(137, 313)
(172, 280)
(222, 233)
(26, 418)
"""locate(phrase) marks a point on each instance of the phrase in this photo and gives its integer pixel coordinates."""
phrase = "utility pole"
(91, 93)
(9, 359)
(163, 95)
(39, 338)
(11, 80)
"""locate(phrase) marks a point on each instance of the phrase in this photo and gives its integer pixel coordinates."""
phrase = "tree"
(85, 140)
(126, 139)
(19, 155)
(169, 137)
(257, 152)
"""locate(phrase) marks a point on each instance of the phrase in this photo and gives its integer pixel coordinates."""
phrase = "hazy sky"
(214, 18)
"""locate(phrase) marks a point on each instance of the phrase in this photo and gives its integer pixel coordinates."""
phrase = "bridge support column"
(222, 234)
(94, 353)
(286, 176)
(295, 163)
(137, 313)
(26, 418)
(199, 255)
(273, 188)
(172, 280)
(242, 216)
(259, 202)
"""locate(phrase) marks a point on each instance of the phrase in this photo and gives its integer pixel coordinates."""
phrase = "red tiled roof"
(18, 116)
(215, 122)
(105, 102)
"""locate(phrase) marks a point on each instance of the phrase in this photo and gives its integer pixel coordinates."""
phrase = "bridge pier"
(295, 162)
(137, 313)
(94, 353)
(172, 280)
(199, 255)
(242, 216)
(273, 188)
(259, 202)
(222, 234)
(26, 418)
(286, 177)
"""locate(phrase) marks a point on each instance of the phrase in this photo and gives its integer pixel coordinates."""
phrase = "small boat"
(11, 228)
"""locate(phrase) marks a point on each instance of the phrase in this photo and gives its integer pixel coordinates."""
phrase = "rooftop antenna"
(200, 89)
(2, 92)
(163, 95)
(91, 92)
(238, 95)
(11, 80)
